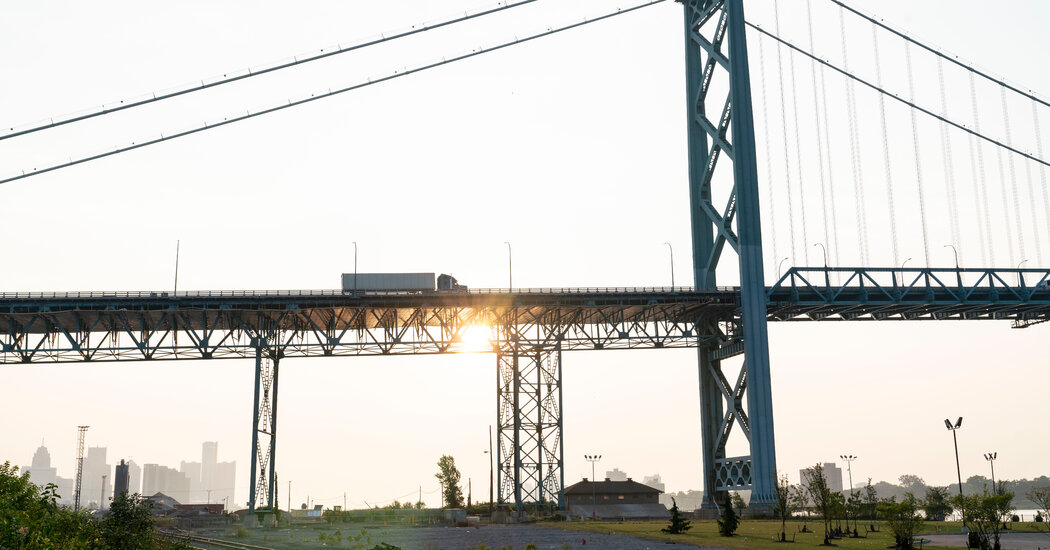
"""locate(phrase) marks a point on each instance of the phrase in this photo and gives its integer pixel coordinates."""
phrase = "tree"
(728, 523)
(935, 504)
(1041, 497)
(853, 509)
(816, 486)
(678, 523)
(871, 500)
(782, 505)
(903, 519)
(129, 524)
(984, 514)
(738, 502)
(912, 482)
(449, 477)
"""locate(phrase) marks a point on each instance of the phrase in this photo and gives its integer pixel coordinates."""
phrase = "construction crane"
(81, 430)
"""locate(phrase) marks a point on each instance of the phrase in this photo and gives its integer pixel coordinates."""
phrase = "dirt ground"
(495, 537)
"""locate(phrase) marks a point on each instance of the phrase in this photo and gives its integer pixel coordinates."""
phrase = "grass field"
(760, 534)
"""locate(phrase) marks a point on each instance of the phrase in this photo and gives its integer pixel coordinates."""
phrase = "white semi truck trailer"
(399, 282)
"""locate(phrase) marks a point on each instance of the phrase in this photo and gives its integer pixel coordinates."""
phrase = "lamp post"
(510, 264)
(594, 494)
(780, 264)
(1020, 280)
(355, 273)
(849, 469)
(990, 457)
(905, 262)
(952, 428)
(827, 278)
(670, 251)
(958, 274)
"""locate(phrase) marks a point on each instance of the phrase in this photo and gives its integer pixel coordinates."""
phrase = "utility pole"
(594, 488)
(490, 470)
(81, 430)
(290, 496)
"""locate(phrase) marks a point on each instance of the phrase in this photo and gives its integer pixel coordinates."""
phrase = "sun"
(476, 337)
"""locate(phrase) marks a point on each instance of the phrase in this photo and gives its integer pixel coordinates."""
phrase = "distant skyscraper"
(654, 482)
(209, 458)
(41, 473)
(134, 478)
(832, 472)
(192, 470)
(91, 486)
(121, 480)
(161, 479)
(225, 483)
(616, 475)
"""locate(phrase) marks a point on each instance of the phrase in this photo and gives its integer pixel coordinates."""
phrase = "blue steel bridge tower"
(721, 131)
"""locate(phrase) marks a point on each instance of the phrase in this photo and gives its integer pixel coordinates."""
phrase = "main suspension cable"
(339, 49)
(942, 55)
(329, 93)
(891, 95)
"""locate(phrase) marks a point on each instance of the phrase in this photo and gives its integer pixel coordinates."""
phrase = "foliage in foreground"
(449, 477)
(985, 514)
(903, 519)
(30, 518)
(678, 523)
(728, 523)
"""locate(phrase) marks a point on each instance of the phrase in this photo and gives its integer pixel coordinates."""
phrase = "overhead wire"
(129, 103)
(313, 97)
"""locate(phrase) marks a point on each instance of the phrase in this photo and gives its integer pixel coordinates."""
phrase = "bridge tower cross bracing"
(264, 433)
(530, 455)
(716, 59)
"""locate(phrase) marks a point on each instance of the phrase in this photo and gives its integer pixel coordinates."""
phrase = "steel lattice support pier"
(264, 432)
(529, 426)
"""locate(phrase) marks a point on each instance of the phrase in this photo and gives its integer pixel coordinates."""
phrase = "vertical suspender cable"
(816, 127)
(1013, 184)
(858, 183)
(769, 156)
(831, 179)
(787, 156)
(949, 167)
(798, 157)
(1042, 170)
(918, 159)
(979, 179)
(1003, 194)
(886, 149)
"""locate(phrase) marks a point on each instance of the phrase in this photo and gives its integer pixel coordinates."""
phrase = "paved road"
(1009, 541)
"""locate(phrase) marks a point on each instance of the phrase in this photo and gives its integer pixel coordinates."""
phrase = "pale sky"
(571, 148)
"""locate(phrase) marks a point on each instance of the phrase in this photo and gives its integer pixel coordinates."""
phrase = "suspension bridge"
(818, 177)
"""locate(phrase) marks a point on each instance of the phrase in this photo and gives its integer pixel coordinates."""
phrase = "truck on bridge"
(399, 282)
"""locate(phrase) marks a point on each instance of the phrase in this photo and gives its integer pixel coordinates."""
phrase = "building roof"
(607, 487)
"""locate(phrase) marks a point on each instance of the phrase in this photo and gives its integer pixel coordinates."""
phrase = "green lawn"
(757, 534)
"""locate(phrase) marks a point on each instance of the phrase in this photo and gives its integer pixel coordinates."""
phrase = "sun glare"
(476, 338)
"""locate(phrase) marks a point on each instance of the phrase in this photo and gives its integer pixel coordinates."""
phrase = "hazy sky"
(571, 148)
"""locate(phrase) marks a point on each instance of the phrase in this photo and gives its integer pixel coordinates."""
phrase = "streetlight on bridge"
(510, 265)
(958, 274)
(670, 251)
(827, 279)
(780, 264)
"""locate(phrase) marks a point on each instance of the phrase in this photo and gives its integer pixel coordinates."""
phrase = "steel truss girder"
(41, 332)
(529, 426)
(709, 26)
(910, 294)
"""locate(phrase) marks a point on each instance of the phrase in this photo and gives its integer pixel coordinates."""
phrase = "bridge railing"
(150, 294)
